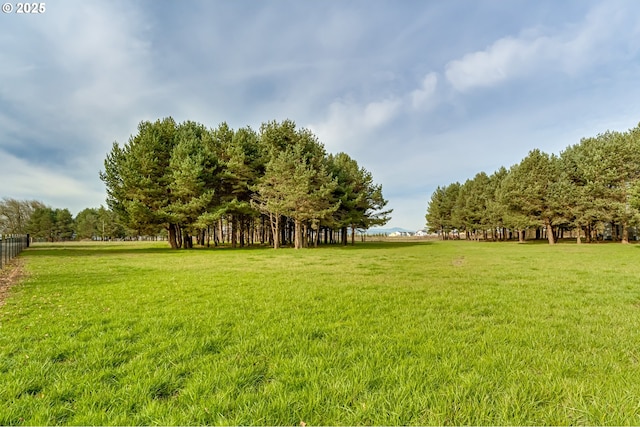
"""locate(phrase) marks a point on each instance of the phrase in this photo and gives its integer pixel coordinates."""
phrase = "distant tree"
(512, 219)
(296, 182)
(109, 225)
(587, 201)
(186, 179)
(495, 212)
(63, 225)
(361, 201)
(15, 215)
(470, 209)
(622, 174)
(138, 183)
(593, 183)
(87, 226)
(441, 208)
(312, 187)
(603, 171)
(534, 192)
(42, 224)
(192, 170)
(271, 197)
(243, 162)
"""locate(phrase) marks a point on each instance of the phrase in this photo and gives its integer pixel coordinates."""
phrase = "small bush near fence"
(11, 245)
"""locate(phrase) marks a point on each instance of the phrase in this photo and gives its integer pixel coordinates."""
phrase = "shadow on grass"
(88, 249)
(379, 245)
(73, 249)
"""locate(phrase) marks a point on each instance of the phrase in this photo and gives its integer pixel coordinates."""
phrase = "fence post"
(11, 245)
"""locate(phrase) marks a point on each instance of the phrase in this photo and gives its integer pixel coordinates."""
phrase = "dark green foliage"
(440, 212)
(51, 225)
(361, 200)
(590, 186)
(188, 180)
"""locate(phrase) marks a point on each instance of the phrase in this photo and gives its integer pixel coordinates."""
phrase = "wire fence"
(11, 245)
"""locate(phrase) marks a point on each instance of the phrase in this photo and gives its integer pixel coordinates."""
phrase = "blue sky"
(420, 93)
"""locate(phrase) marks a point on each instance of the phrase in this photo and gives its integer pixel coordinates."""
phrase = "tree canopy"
(590, 188)
(276, 185)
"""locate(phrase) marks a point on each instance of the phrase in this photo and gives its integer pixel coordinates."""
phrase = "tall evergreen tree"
(42, 224)
(361, 200)
(296, 181)
(441, 209)
(185, 179)
(532, 191)
(138, 185)
(87, 224)
(64, 226)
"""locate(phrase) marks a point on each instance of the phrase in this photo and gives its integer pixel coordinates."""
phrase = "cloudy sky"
(421, 93)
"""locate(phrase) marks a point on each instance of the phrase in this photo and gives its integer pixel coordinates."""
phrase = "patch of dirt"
(10, 274)
(458, 262)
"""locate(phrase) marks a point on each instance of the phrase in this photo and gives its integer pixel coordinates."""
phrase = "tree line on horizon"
(277, 185)
(589, 186)
(45, 223)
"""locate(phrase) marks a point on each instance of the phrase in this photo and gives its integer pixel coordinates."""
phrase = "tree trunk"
(353, 235)
(550, 236)
(625, 233)
(297, 237)
(172, 236)
(520, 236)
(188, 240)
(275, 229)
(283, 231)
(233, 224)
(306, 234)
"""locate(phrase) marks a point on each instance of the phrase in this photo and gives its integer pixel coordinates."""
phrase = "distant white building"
(401, 234)
(421, 233)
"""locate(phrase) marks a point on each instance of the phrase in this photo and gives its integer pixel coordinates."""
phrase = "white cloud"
(424, 94)
(568, 50)
(24, 180)
(348, 122)
(505, 58)
(378, 113)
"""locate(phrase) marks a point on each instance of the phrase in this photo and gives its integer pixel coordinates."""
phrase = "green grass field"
(377, 334)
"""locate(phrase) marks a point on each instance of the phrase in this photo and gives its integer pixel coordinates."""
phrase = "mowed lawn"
(377, 334)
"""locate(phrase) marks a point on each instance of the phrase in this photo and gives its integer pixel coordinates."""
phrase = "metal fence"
(11, 245)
